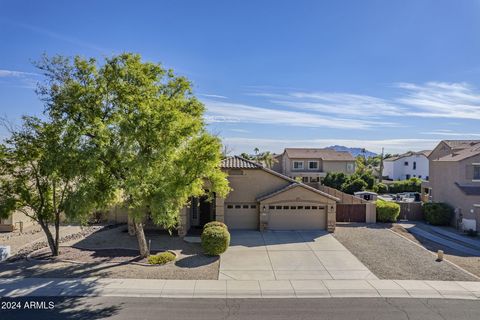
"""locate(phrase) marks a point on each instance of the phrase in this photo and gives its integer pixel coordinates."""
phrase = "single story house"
(262, 199)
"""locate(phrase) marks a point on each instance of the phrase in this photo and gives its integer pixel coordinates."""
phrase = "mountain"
(353, 151)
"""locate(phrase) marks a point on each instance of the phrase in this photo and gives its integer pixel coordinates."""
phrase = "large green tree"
(47, 174)
(147, 130)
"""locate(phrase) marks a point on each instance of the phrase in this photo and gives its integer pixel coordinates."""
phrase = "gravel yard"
(469, 263)
(389, 256)
(190, 262)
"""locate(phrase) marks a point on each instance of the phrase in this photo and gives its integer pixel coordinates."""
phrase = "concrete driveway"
(289, 255)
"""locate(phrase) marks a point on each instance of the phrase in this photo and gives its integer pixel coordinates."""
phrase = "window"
(305, 179)
(307, 207)
(297, 165)
(285, 207)
(350, 167)
(271, 207)
(407, 176)
(229, 206)
(293, 207)
(314, 179)
(406, 163)
(300, 207)
(476, 172)
(312, 165)
(414, 165)
(237, 206)
(314, 207)
(426, 178)
(420, 176)
(279, 207)
(245, 206)
(253, 206)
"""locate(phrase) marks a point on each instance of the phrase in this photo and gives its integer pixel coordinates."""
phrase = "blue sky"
(395, 74)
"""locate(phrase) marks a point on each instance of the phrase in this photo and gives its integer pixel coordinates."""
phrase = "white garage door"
(241, 216)
(297, 216)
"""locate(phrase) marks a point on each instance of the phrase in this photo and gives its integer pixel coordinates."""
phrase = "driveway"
(289, 255)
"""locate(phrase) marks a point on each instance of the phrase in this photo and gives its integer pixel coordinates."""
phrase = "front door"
(205, 210)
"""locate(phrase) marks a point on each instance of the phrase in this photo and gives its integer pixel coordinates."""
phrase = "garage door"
(241, 216)
(297, 216)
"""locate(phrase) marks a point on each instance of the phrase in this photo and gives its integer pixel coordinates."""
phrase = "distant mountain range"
(353, 151)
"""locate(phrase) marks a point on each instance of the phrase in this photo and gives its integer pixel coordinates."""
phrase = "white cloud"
(240, 144)
(451, 133)
(15, 74)
(441, 100)
(215, 96)
(219, 111)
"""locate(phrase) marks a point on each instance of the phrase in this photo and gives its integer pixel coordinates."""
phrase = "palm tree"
(256, 150)
(268, 159)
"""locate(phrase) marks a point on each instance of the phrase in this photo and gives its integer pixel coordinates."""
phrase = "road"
(132, 308)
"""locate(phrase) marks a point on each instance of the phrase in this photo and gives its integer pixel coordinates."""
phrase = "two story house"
(311, 165)
(407, 165)
(455, 179)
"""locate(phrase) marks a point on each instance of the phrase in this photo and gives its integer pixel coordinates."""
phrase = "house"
(406, 166)
(17, 220)
(455, 179)
(262, 199)
(311, 165)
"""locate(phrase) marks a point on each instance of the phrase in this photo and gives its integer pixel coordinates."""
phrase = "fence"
(410, 211)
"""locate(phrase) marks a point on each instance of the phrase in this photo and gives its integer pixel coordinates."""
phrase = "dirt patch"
(92, 256)
(469, 263)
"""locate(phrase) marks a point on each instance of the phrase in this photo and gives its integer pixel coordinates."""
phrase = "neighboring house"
(311, 165)
(455, 179)
(407, 165)
(262, 198)
(17, 220)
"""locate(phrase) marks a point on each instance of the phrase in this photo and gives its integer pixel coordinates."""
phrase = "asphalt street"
(90, 308)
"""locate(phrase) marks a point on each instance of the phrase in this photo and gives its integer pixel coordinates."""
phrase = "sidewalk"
(32, 287)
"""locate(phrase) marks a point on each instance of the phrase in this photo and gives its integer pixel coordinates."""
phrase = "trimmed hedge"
(161, 258)
(438, 213)
(215, 224)
(380, 188)
(387, 211)
(410, 185)
(215, 240)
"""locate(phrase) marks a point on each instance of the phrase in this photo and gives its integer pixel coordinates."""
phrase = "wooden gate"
(351, 212)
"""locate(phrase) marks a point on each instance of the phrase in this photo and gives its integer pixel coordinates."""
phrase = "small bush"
(161, 258)
(387, 211)
(215, 224)
(410, 185)
(437, 213)
(380, 188)
(353, 185)
(215, 240)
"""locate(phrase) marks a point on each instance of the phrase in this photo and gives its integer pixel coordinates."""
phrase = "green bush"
(215, 224)
(334, 180)
(353, 185)
(215, 240)
(387, 211)
(437, 213)
(161, 258)
(380, 188)
(410, 185)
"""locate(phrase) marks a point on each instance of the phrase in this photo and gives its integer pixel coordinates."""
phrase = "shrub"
(161, 258)
(410, 185)
(334, 179)
(215, 224)
(215, 240)
(437, 213)
(380, 188)
(354, 185)
(387, 211)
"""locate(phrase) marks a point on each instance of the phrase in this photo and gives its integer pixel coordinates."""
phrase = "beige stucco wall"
(443, 175)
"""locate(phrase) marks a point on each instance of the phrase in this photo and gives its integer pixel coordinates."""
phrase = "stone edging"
(30, 258)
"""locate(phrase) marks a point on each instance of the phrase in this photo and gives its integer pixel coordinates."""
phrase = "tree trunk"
(51, 242)
(131, 226)
(57, 233)
(142, 241)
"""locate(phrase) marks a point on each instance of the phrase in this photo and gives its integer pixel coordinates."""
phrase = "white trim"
(475, 180)
(476, 205)
(298, 161)
(313, 161)
(475, 164)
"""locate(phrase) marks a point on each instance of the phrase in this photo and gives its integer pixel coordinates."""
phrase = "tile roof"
(425, 153)
(461, 149)
(236, 162)
(324, 154)
(294, 185)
